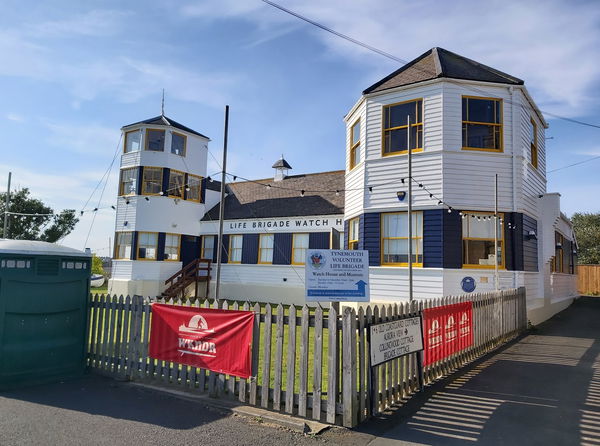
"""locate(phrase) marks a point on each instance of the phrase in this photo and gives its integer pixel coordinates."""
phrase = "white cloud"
(86, 139)
(93, 23)
(15, 117)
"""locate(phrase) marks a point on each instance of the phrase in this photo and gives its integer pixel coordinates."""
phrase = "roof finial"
(162, 105)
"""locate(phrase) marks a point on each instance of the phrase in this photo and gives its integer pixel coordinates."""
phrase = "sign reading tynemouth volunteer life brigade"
(217, 340)
(393, 339)
(337, 275)
(447, 330)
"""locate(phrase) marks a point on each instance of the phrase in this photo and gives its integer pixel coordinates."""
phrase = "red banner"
(447, 330)
(218, 340)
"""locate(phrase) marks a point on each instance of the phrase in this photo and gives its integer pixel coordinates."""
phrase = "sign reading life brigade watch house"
(337, 275)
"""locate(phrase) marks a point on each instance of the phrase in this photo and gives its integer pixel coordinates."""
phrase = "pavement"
(543, 389)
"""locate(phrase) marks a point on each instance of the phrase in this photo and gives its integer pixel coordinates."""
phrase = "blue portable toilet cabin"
(44, 291)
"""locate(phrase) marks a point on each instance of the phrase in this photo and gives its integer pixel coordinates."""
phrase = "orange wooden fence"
(588, 281)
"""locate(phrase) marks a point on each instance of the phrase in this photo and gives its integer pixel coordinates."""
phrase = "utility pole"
(496, 221)
(410, 228)
(5, 229)
(220, 246)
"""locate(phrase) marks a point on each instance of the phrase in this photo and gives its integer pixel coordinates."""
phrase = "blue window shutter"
(513, 241)
(530, 246)
(160, 249)
(452, 239)
(346, 235)
(369, 236)
(214, 250)
(432, 238)
(139, 180)
(134, 243)
(165, 180)
(225, 251)
(185, 185)
(282, 249)
(318, 240)
(250, 249)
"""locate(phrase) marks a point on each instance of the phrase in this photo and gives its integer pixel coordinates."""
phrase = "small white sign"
(335, 275)
(393, 339)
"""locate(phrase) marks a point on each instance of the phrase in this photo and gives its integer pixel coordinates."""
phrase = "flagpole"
(220, 246)
(410, 228)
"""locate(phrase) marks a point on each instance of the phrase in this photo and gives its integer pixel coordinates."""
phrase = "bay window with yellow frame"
(152, 180)
(176, 180)
(353, 226)
(355, 144)
(194, 188)
(147, 245)
(395, 240)
(395, 127)
(482, 124)
(478, 240)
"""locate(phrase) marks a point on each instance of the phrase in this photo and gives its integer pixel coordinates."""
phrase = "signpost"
(334, 275)
(391, 340)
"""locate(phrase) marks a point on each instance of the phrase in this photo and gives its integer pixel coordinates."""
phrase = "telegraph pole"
(5, 229)
(222, 206)
(410, 228)
(496, 221)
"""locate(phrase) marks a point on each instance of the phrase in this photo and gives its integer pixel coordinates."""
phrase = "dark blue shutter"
(214, 250)
(160, 250)
(225, 250)
(346, 235)
(513, 241)
(139, 180)
(452, 244)
(530, 244)
(369, 233)
(282, 249)
(134, 245)
(318, 240)
(165, 181)
(433, 249)
(203, 190)
(185, 185)
(250, 249)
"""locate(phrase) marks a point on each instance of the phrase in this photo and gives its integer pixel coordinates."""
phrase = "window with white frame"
(299, 247)
(395, 240)
(235, 248)
(265, 248)
(208, 247)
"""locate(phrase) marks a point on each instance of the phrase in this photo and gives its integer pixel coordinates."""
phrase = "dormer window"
(132, 141)
(482, 123)
(155, 140)
(178, 144)
(395, 127)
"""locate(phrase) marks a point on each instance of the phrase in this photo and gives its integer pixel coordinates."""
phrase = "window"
(208, 247)
(194, 188)
(478, 240)
(353, 234)
(558, 263)
(482, 123)
(152, 181)
(533, 143)
(394, 240)
(235, 248)
(299, 247)
(155, 140)
(147, 243)
(128, 183)
(355, 145)
(123, 242)
(265, 248)
(172, 247)
(176, 183)
(178, 143)
(132, 141)
(395, 127)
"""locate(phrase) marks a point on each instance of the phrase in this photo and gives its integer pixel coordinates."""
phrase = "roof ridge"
(290, 176)
(484, 66)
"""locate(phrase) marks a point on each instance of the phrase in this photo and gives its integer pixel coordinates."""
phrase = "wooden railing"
(308, 362)
(194, 272)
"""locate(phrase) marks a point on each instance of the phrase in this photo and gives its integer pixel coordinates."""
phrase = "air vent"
(47, 267)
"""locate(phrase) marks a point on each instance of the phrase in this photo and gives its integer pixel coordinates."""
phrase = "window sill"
(481, 149)
(488, 267)
(403, 152)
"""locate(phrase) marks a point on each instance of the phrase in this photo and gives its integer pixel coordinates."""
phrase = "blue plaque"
(468, 284)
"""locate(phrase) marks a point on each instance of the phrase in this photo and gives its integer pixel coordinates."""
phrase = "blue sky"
(73, 73)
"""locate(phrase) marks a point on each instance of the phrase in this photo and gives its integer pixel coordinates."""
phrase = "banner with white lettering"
(217, 340)
(447, 330)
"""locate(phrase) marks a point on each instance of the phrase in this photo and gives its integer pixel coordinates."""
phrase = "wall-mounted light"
(125, 223)
(559, 245)
(531, 235)
(146, 198)
(401, 195)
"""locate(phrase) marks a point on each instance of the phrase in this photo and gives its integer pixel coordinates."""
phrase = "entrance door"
(190, 249)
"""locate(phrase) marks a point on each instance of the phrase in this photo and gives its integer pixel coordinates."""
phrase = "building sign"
(391, 340)
(280, 224)
(336, 275)
(217, 340)
(447, 330)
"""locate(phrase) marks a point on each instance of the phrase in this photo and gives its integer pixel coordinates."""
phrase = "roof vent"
(281, 167)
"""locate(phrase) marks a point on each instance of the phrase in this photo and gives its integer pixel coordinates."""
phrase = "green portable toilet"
(44, 291)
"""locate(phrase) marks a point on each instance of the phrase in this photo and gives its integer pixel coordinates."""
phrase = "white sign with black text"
(393, 339)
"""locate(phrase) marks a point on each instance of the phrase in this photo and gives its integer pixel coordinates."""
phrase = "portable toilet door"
(44, 291)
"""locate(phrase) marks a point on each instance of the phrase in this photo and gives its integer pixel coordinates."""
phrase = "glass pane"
(397, 115)
(155, 140)
(395, 251)
(355, 156)
(356, 133)
(301, 241)
(266, 241)
(395, 225)
(177, 144)
(483, 110)
(209, 242)
(194, 186)
(395, 141)
(481, 136)
(176, 184)
(152, 180)
(132, 141)
(299, 255)
(480, 252)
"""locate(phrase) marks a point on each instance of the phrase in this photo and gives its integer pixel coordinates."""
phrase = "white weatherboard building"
(469, 122)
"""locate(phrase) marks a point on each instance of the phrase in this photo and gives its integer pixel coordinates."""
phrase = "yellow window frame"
(144, 181)
(260, 237)
(184, 143)
(502, 264)
(418, 125)
(534, 145)
(352, 237)
(121, 194)
(558, 261)
(230, 248)
(178, 246)
(294, 248)
(203, 249)
(383, 239)
(354, 146)
(125, 140)
(500, 125)
(118, 245)
(147, 139)
(139, 245)
(199, 178)
(181, 186)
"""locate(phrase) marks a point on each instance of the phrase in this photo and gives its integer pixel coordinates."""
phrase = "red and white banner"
(447, 330)
(218, 340)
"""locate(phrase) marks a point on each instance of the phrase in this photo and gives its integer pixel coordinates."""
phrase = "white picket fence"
(308, 362)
